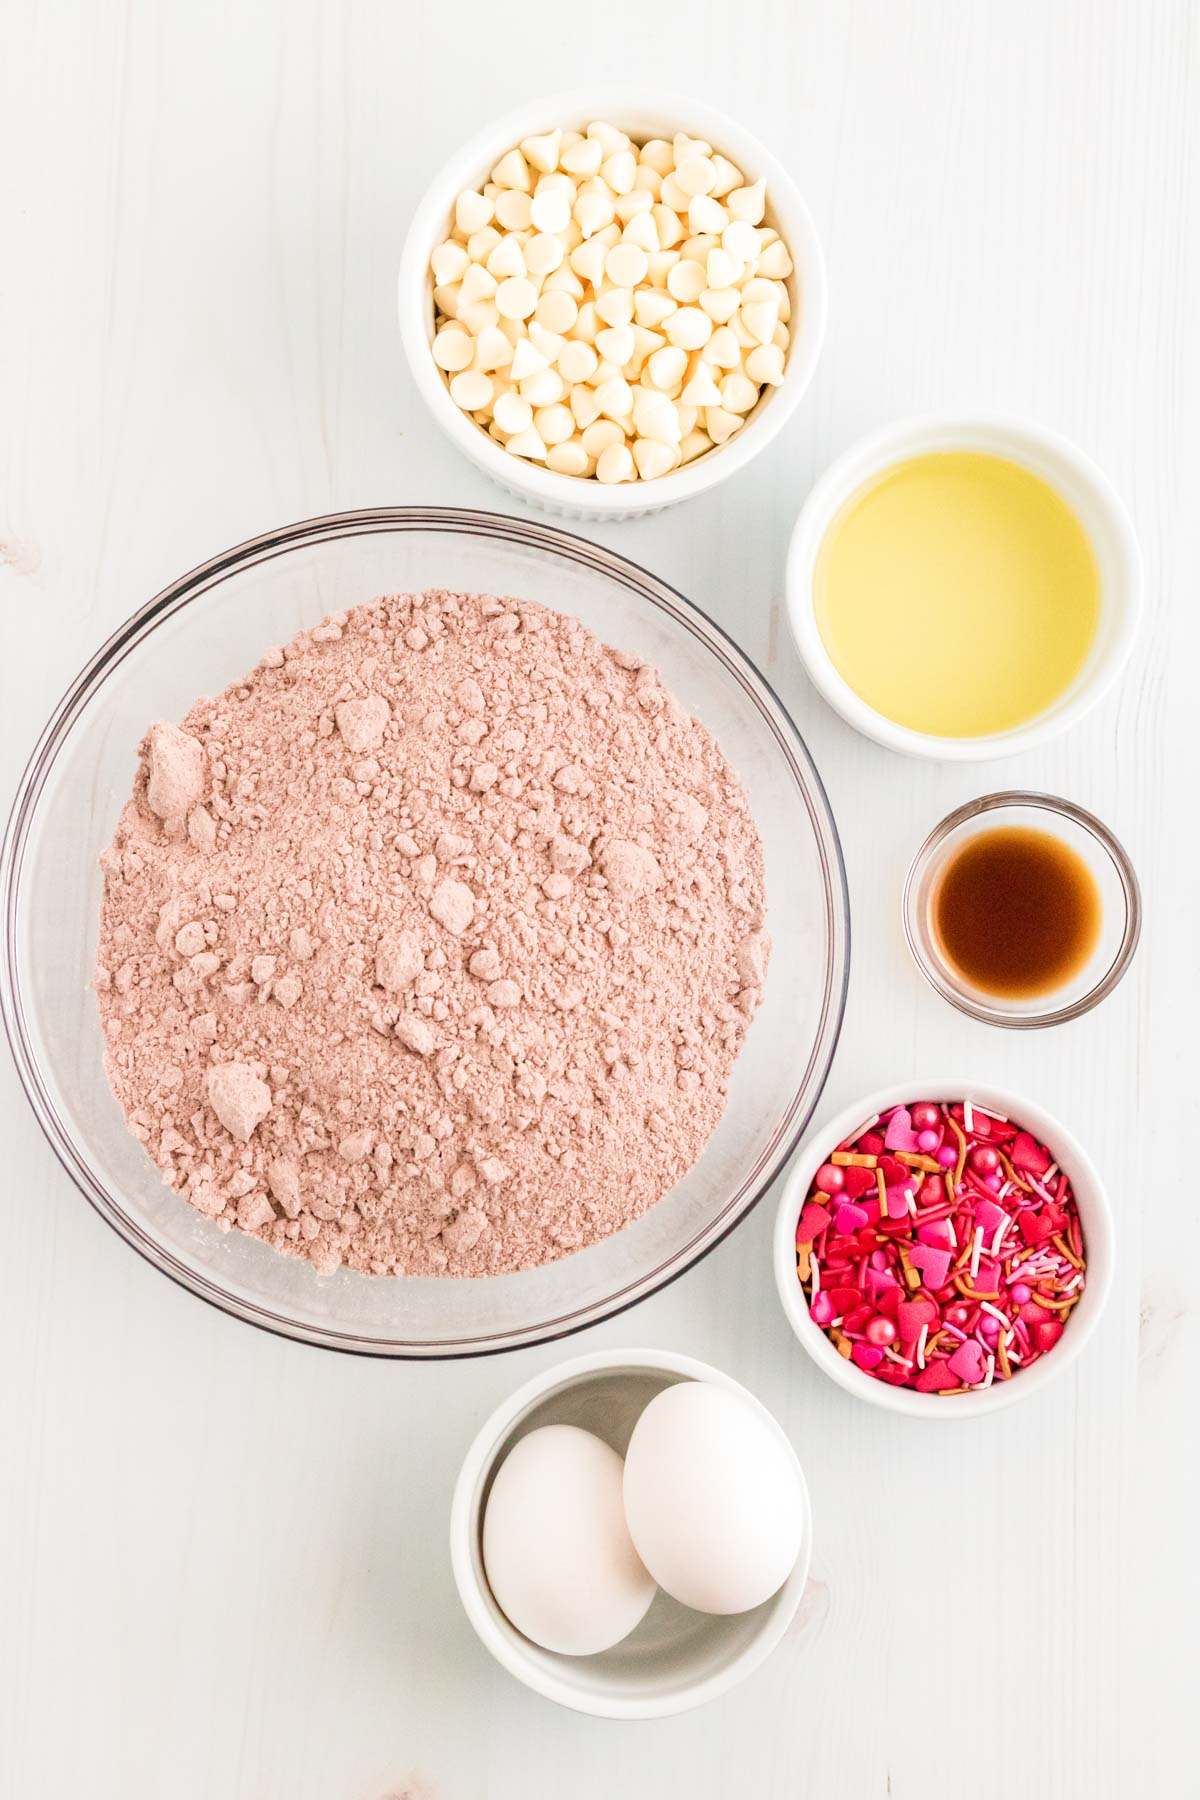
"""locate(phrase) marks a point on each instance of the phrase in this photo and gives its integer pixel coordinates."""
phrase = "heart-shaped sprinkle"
(814, 1219)
(933, 1264)
(857, 1182)
(1027, 1156)
(900, 1134)
(967, 1364)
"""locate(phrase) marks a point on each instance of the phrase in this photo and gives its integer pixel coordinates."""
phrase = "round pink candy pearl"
(880, 1332)
(1019, 1293)
(993, 1181)
(984, 1160)
(925, 1117)
(928, 1141)
(830, 1179)
(947, 1156)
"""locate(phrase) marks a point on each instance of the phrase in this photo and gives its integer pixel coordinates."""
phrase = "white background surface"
(223, 1568)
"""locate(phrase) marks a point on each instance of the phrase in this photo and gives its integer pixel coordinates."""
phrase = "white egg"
(713, 1499)
(556, 1548)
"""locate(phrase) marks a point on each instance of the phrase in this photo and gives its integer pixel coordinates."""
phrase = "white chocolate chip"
(450, 261)
(620, 171)
(626, 265)
(738, 392)
(615, 343)
(686, 281)
(720, 424)
(615, 306)
(517, 297)
(453, 350)
(477, 284)
(513, 414)
(557, 312)
(601, 436)
(472, 390)
(529, 444)
(652, 458)
(543, 254)
(514, 210)
(654, 416)
(542, 152)
(741, 240)
(544, 388)
(569, 458)
(615, 397)
(583, 158)
(760, 318)
(512, 171)
(577, 362)
(667, 366)
(764, 364)
(615, 464)
(696, 175)
(748, 203)
(555, 424)
(550, 211)
(472, 212)
(688, 327)
(701, 390)
(592, 212)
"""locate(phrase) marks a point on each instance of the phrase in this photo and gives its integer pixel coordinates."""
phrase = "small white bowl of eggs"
(646, 1516)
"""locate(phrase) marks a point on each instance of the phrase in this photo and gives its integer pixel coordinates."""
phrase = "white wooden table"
(223, 1566)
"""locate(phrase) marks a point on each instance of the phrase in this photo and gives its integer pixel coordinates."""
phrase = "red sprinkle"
(891, 1285)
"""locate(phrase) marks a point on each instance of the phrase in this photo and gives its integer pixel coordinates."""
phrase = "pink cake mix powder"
(428, 947)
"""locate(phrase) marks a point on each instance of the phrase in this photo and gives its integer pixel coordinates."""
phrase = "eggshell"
(556, 1548)
(713, 1499)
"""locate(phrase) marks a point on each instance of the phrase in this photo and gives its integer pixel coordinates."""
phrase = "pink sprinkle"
(967, 1363)
(897, 1202)
(990, 1216)
(900, 1134)
(822, 1311)
(848, 1218)
(933, 1263)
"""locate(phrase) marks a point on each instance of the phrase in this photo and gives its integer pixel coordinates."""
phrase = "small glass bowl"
(1120, 898)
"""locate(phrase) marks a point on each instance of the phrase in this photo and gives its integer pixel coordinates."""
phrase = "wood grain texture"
(223, 1565)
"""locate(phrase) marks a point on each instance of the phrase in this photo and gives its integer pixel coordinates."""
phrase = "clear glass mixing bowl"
(196, 637)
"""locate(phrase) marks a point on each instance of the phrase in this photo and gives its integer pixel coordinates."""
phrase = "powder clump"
(428, 947)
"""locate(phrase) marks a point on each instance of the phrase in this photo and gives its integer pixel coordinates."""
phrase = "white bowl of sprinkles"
(1095, 1218)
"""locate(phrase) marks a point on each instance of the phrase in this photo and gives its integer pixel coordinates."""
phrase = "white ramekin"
(1081, 484)
(1095, 1217)
(676, 1659)
(643, 113)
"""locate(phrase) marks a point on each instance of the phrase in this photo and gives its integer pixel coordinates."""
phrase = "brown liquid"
(1016, 912)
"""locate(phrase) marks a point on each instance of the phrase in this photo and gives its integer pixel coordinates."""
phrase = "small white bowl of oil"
(963, 587)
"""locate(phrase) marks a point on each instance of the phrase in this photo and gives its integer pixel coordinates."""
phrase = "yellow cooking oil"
(957, 594)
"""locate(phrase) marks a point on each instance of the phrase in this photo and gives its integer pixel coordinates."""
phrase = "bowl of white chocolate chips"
(610, 303)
